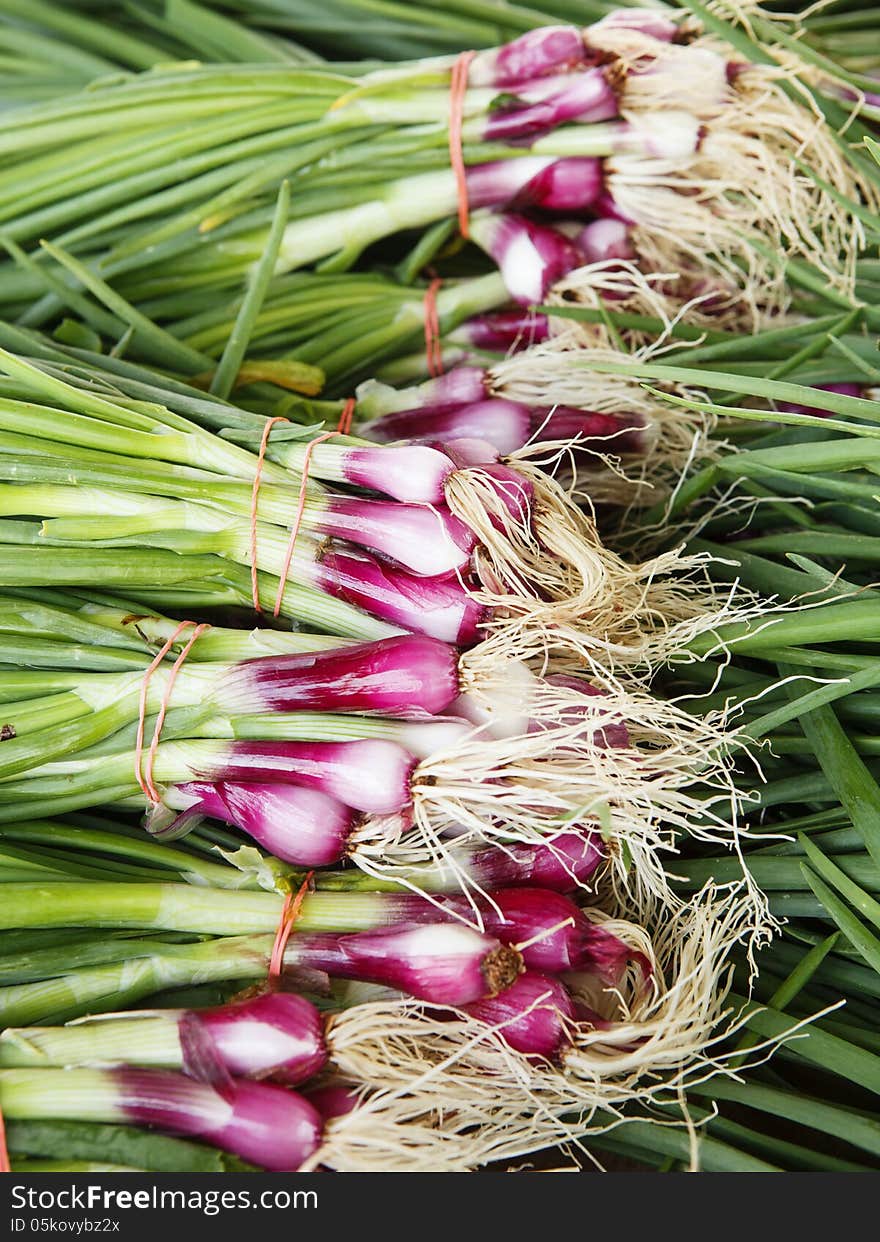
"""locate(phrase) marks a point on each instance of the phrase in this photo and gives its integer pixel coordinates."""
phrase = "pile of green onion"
(437, 595)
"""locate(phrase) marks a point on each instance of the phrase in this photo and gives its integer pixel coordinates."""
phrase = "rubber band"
(142, 704)
(5, 1163)
(255, 492)
(290, 912)
(458, 85)
(163, 707)
(343, 428)
(145, 779)
(433, 349)
(297, 521)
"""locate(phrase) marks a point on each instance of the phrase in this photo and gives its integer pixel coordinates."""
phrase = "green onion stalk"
(793, 512)
(151, 34)
(355, 30)
(191, 202)
(357, 324)
(57, 51)
(56, 1145)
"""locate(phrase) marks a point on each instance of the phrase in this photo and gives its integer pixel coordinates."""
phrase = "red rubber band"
(5, 1163)
(343, 427)
(145, 779)
(289, 914)
(458, 85)
(433, 349)
(255, 492)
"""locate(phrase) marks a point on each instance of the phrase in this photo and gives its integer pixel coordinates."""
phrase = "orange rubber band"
(142, 706)
(297, 521)
(255, 492)
(289, 914)
(145, 778)
(458, 85)
(5, 1163)
(163, 706)
(343, 427)
(433, 349)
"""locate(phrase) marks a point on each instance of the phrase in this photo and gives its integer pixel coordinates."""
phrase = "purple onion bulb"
(275, 1035)
(561, 863)
(621, 433)
(407, 676)
(371, 776)
(541, 106)
(334, 1101)
(571, 184)
(266, 1125)
(515, 492)
(552, 933)
(548, 49)
(442, 963)
(411, 473)
(301, 826)
(441, 608)
(503, 424)
(503, 332)
(534, 1016)
(531, 257)
(648, 22)
(425, 540)
(605, 239)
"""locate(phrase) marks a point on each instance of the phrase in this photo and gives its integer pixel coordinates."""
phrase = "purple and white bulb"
(534, 1016)
(441, 963)
(409, 677)
(535, 54)
(531, 257)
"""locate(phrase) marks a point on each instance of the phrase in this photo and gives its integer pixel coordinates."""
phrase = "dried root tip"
(472, 1098)
(413, 1132)
(556, 582)
(500, 967)
(701, 213)
(688, 289)
(619, 763)
(669, 440)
